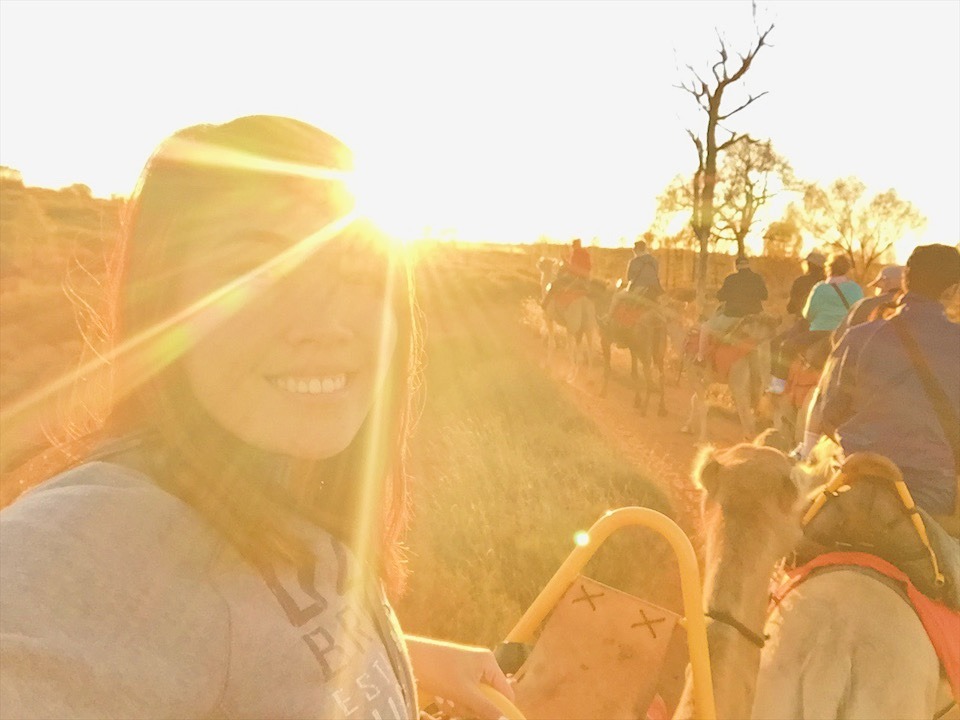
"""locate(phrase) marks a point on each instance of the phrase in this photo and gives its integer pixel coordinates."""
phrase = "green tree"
(783, 238)
(751, 173)
(864, 230)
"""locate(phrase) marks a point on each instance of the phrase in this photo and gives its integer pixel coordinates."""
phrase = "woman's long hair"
(200, 176)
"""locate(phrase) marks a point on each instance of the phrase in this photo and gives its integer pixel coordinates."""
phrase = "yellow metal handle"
(690, 587)
(506, 708)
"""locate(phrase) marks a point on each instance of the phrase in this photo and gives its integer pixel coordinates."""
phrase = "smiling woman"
(222, 546)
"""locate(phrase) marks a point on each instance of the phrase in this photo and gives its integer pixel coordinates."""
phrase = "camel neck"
(742, 593)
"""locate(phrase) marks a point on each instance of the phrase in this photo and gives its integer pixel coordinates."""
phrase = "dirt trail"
(655, 444)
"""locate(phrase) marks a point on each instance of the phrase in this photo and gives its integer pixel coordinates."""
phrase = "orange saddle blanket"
(627, 314)
(800, 381)
(565, 297)
(721, 355)
(941, 623)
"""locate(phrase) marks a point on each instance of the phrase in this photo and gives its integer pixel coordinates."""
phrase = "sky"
(495, 120)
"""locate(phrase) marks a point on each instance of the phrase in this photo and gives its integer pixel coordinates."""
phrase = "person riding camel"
(576, 268)
(827, 304)
(799, 290)
(643, 272)
(643, 278)
(893, 386)
(579, 261)
(887, 284)
(801, 287)
(741, 294)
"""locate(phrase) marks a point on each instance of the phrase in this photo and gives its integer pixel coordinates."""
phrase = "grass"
(507, 470)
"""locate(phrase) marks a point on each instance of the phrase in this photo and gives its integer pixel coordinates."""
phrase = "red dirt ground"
(660, 451)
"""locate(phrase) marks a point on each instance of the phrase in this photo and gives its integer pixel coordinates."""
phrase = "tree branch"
(734, 139)
(747, 103)
(745, 60)
(722, 62)
(698, 95)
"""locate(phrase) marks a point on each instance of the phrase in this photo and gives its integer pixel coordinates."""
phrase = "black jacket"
(801, 288)
(742, 293)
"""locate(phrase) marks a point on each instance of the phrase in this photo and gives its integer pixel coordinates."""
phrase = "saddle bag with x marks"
(600, 653)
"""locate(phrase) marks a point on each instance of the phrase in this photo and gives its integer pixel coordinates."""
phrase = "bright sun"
(380, 199)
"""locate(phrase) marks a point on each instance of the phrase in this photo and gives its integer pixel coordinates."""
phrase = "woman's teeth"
(311, 385)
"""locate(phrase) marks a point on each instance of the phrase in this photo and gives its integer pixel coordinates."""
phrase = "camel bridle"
(746, 633)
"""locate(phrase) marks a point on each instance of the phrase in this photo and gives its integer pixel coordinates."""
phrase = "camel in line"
(841, 645)
(578, 317)
(646, 340)
(748, 378)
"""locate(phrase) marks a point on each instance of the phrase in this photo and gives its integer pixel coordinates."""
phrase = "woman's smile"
(310, 385)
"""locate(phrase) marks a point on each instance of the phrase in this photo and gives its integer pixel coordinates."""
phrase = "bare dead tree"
(708, 95)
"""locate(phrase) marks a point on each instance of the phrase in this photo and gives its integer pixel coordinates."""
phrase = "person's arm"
(95, 619)
(763, 288)
(723, 294)
(837, 386)
(454, 673)
(795, 303)
(810, 306)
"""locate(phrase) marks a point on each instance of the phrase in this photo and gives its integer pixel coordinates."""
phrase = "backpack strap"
(946, 414)
(843, 298)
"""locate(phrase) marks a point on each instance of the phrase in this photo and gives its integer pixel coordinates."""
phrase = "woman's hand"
(455, 672)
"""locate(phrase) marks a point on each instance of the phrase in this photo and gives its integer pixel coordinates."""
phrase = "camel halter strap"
(727, 619)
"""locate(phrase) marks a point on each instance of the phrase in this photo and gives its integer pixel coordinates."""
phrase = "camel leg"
(591, 330)
(740, 380)
(662, 408)
(647, 383)
(658, 349)
(698, 410)
(574, 365)
(605, 347)
(782, 411)
(551, 345)
(635, 376)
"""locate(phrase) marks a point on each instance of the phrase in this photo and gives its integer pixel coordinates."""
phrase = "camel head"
(751, 505)
(751, 508)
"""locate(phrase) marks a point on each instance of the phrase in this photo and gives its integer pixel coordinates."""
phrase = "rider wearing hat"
(887, 284)
(643, 278)
(579, 260)
(825, 308)
(799, 290)
(741, 294)
(643, 273)
(576, 267)
(893, 386)
(813, 273)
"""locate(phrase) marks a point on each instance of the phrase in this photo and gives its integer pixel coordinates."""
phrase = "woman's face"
(296, 368)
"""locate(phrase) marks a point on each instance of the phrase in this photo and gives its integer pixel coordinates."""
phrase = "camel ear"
(706, 471)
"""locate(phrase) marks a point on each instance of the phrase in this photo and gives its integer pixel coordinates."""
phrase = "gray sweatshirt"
(118, 601)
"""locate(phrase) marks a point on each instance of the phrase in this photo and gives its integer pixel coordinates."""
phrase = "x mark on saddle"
(644, 620)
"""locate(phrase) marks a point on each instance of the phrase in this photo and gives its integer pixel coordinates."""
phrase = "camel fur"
(747, 380)
(577, 318)
(647, 342)
(843, 644)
